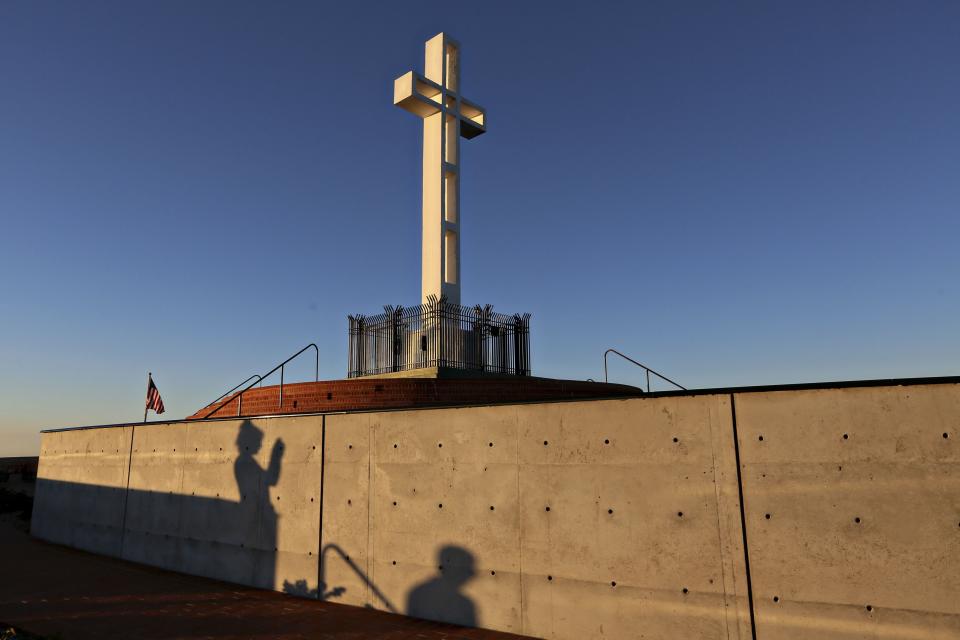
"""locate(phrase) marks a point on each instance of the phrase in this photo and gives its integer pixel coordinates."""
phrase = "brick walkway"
(64, 593)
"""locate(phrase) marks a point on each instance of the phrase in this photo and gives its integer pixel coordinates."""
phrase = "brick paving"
(58, 592)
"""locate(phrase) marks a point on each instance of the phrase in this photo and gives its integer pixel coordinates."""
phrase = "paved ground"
(57, 592)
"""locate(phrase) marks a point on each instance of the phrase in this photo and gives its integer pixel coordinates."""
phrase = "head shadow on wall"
(441, 597)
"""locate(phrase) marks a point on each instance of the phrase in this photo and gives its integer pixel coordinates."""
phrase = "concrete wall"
(200, 498)
(612, 557)
(862, 487)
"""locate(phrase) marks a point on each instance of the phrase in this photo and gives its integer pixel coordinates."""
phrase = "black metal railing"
(260, 379)
(642, 366)
(439, 334)
(226, 393)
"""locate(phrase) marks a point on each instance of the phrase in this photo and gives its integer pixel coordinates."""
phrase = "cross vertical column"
(440, 274)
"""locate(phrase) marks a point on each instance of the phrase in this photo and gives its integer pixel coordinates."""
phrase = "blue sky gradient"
(733, 193)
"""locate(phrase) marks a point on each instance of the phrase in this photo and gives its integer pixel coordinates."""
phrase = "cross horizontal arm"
(423, 97)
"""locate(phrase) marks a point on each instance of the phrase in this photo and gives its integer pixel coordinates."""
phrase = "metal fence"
(439, 334)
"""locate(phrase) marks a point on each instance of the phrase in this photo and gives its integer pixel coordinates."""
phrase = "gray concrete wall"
(199, 498)
(612, 557)
(829, 457)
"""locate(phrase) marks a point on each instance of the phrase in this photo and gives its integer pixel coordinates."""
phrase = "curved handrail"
(224, 395)
(316, 377)
(323, 568)
(642, 366)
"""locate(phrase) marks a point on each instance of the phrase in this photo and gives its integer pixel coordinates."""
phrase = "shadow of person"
(257, 515)
(439, 598)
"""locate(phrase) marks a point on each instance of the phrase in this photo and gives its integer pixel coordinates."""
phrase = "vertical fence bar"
(439, 334)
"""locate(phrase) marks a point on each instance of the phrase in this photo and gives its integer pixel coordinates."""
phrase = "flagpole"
(149, 374)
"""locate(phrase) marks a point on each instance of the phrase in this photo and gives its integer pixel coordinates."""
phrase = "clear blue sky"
(733, 193)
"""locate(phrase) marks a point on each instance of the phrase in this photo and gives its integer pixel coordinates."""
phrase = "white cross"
(435, 97)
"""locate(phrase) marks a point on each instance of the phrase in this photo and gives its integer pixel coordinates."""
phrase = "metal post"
(145, 401)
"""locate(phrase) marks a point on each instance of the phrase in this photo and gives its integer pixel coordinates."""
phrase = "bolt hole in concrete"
(394, 446)
(760, 438)
(613, 583)
(547, 509)
(846, 436)
(869, 608)
(550, 578)
(489, 444)
(679, 514)
(767, 516)
(545, 443)
(685, 591)
(440, 506)
(349, 502)
(394, 562)
(857, 520)
(394, 503)
(946, 435)
(493, 573)
(610, 511)
(491, 507)
(349, 446)
(676, 439)
(440, 445)
(776, 598)
(606, 442)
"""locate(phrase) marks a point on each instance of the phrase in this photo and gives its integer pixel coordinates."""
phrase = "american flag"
(154, 401)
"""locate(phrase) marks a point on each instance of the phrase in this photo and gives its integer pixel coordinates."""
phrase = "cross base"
(440, 337)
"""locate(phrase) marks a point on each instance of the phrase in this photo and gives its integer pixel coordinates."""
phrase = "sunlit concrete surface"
(617, 518)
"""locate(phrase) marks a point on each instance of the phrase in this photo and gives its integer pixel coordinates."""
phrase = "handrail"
(642, 366)
(224, 395)
(316, 377)
(353, 565)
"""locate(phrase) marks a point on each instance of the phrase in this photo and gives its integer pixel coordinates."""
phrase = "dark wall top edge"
(803, 386)
(840, 384)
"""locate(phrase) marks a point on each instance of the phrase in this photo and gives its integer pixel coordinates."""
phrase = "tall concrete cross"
(435, 97)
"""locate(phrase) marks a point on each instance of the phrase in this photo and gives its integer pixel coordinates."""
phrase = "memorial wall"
(609, 518)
